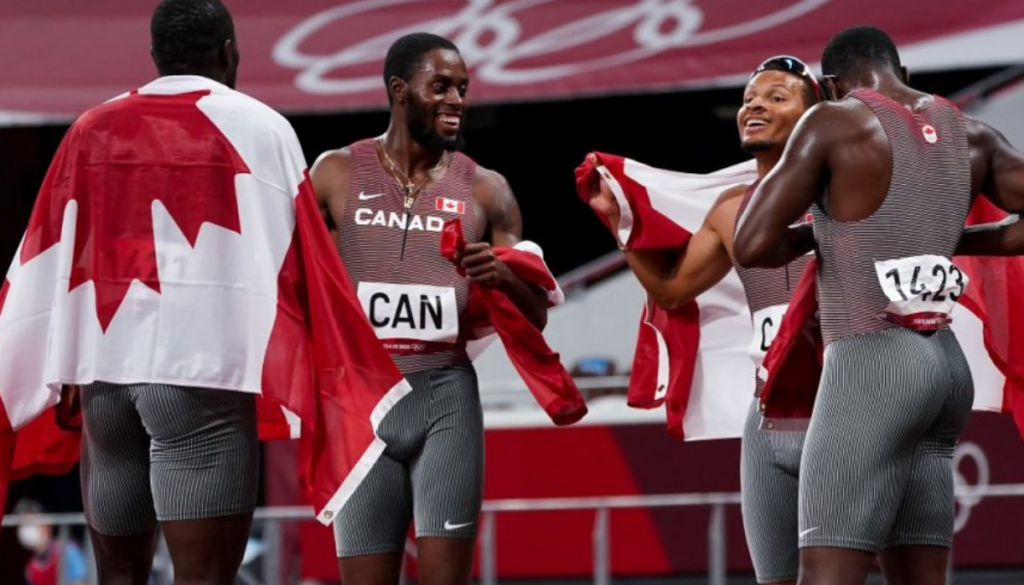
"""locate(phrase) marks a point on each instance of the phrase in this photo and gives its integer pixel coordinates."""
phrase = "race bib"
(921, 290)
(766, 327)
(412, 312)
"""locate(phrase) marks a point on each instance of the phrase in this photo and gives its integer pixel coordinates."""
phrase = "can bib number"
(921, 290)
(411, 312)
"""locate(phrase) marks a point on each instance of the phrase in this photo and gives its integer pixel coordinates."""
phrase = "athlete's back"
(889, 264)
(896, 389)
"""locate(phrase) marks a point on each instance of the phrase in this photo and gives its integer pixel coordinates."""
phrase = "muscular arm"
(505, 226)
(997, 168)
(764, 237)
(330, 174)
(1005, 238)
(997, 172)
(673, 279)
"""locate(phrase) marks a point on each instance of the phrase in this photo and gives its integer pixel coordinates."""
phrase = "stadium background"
(673, 108)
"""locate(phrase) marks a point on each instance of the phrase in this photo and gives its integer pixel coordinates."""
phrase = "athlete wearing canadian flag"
(176, 272)
(383, 198)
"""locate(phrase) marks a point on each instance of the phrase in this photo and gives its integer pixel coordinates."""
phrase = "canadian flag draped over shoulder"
(176, 239)
(693, 360)
(707, 383)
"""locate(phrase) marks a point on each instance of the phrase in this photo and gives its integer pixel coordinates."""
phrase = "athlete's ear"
(398, 88)
(830, 87)
(229, 59)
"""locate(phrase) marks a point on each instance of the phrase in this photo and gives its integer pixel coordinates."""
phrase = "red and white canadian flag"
(450, 205)
(141, 265)
(694, 360)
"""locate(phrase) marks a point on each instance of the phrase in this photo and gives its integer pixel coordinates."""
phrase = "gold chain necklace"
(411, 188)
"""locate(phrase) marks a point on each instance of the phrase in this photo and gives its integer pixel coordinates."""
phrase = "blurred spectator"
(53, 562)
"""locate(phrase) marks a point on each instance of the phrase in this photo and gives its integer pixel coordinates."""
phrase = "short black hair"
(188, 34)
(859, 47)
(405, 54)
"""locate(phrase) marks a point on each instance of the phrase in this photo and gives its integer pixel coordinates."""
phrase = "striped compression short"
(431, 471)
(877, 464)
(769, 476)
(154, 452)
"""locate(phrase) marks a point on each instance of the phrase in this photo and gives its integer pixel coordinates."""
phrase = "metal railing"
(601, 535)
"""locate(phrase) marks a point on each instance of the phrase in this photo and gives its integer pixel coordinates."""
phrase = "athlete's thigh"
(769, 465)
(447, 476)
(115, 470)
(205, 451)
(372, 527)
(879, 394)
(376, 519)
(926, 513)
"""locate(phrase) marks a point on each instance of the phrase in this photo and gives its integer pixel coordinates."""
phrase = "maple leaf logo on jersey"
(930, 136)
(116, 161)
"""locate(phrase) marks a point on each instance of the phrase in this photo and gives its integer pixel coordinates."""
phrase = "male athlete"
(386, 199)
(779, 92)
(155, 322)
(890, 173)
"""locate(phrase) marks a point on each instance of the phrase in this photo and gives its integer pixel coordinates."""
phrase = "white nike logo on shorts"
(364, 197)
(449, 526)
(808, 531)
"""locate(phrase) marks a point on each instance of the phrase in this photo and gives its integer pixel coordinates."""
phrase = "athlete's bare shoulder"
(842, 121)
(487, 181)
(732, 196)
(981, 137)
(494, 196)
(997, 168)
(333, 162)
(722, 216)
(728, 203)
(330, 176)
(491, 189)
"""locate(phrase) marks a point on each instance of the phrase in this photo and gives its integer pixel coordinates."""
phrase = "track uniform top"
(768, 291)
(922, 216)
(411, 294)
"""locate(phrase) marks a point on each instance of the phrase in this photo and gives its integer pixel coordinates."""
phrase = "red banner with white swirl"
(61, 56)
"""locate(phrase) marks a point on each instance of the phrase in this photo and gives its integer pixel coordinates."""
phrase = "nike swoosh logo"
(808, 531)
(449, 526)
(364, 197)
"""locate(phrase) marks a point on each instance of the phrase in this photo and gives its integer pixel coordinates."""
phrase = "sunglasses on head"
(792, 65)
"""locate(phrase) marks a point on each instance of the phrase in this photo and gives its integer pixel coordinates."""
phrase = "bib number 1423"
(922, 290)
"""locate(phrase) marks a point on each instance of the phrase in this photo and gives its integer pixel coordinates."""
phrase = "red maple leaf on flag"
(115, 162)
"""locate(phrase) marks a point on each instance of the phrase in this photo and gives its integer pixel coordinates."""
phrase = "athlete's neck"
(884, 81)
(411, 157)
(766, 161)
